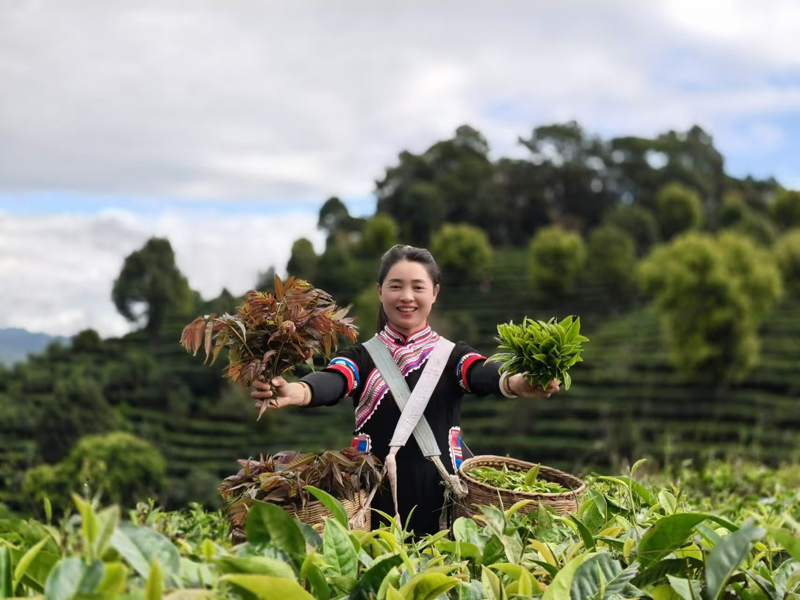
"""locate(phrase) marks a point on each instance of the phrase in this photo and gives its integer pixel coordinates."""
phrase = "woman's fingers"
(262, 390)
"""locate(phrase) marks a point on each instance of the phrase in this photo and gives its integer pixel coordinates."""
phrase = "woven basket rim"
(519, 465)
(311, 504)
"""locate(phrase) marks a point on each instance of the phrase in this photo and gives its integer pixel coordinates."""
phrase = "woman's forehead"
(407, 270)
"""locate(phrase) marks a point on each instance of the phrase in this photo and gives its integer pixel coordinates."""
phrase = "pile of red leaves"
(280, 478)
(272, 333)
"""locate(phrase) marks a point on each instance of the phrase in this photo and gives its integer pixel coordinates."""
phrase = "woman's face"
(407, 296)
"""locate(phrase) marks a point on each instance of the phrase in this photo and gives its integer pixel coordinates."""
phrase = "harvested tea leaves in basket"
(516, 481)
(280, 478)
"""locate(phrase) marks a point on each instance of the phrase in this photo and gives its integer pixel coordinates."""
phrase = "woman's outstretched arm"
(324, 388)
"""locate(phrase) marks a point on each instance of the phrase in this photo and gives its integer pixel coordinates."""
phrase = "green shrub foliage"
(555, 257)
(712, 294)
(679, 209)
(463, 252)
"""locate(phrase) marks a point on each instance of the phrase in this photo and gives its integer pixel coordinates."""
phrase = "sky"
(225, 125)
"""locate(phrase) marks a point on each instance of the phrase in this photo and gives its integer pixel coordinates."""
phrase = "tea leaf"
(531, 476)
(6, 587)
(338, 549)
(22, 565)
(154, 588)
(727, 556)
(269, 588)
(370, 582)
(561, 585)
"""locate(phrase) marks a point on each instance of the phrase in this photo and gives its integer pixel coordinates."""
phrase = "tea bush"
(629, 539)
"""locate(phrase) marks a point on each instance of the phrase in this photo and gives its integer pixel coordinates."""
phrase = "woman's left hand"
(520, 386)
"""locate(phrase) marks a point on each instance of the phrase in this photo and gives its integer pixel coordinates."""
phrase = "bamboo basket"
(313, 514)
(487, 495)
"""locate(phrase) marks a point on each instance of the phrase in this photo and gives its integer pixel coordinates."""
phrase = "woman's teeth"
(407, 310)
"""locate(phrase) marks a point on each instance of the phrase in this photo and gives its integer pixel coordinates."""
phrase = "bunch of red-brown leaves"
(280, 478)
(272, 333)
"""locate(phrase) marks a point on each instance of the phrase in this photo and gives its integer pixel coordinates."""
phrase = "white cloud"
(767, 30)
(56, 272)
(302, 100)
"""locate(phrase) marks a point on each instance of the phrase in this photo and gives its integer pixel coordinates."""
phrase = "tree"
(612, 260)
(758, 227)
(679, 209)
(712, 294)
(303, 260)
(638, 222)
(150, 276)
(755, 272)
(641, 166)
(379, 234)
(572, 168)
(786, 208)
(555, 257)
(78, 408)
(338, 273)
(787, 254)
(442, 184)
(87, 341)
(735, 214)
(335, 220)
(513, 206)
(126, 469)
(462, 252)
(365, 308)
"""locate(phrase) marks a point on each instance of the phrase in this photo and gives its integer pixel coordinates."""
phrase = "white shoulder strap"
(412, 404)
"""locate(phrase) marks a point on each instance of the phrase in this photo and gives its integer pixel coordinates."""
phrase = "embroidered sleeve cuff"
(348, 368)
(462, 371)
(484, 378)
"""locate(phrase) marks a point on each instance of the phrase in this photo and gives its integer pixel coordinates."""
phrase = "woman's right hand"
(287, 394)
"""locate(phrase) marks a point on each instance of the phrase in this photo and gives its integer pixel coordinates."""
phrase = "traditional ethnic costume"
(352, 373)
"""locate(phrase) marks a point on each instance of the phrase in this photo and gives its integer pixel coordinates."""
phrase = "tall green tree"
(338, 272)
(303, 260)
(638, 222)
(787, 253)
(336, 221)
(442, 184)
(379, 234)
(151, 278)
(786, 208)
(463, 252)
(612, 260)
(640, 167)
(555, 257)
(712, 295)
(572, 171)
(78, 408)
(679, 209)
(514, 204)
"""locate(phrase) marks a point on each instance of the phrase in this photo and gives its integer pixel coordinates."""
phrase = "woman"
(408, 285)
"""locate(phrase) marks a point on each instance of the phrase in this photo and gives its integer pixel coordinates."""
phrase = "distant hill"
(17, 344)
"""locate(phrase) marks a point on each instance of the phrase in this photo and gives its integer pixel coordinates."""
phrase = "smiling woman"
(408, 285)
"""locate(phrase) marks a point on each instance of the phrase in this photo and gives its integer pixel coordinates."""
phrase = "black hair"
(400, 252)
